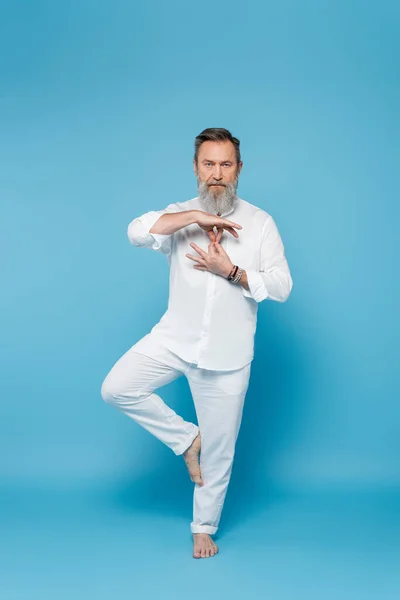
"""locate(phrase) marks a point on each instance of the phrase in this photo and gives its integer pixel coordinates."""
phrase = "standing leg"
(219, 399)
(130, 387)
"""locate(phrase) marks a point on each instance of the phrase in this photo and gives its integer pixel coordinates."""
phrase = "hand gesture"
(216, 260)
(207, 222)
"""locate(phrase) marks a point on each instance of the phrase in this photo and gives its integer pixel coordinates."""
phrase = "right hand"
(207, 222)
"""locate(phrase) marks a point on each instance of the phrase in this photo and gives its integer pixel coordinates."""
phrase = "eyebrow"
(222, 161)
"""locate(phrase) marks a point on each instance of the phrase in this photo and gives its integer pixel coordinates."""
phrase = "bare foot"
(204, 547)
(191, 457)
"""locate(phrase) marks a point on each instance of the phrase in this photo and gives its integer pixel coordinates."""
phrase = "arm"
(167, 224)
(273, 281)
(155, 228)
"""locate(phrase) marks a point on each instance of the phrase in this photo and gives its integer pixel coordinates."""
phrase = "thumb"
(218, 247)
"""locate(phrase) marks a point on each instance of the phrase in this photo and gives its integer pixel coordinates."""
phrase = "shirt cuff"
(258, 291)
(148, 221)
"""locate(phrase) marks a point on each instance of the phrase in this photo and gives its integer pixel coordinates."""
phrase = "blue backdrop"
(99, 106)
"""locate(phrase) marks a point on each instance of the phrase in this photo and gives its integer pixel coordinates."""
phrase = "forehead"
(218, 151)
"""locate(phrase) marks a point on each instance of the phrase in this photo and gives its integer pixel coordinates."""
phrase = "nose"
(217, 173)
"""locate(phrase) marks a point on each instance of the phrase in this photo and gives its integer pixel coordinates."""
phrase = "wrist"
(193, 216)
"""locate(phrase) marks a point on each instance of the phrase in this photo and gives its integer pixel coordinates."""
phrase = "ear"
(240, 166)
(194, 167)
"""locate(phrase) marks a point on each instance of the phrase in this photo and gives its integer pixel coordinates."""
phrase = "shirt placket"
(205, 329)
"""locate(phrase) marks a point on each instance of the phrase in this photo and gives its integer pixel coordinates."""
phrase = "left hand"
(216, 260)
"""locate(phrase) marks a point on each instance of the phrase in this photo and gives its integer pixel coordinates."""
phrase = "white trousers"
(218, 399)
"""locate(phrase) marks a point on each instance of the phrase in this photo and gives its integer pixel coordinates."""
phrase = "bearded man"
(207, 331)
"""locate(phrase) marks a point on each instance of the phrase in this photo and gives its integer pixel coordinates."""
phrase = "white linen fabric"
(218, 398)
(209, 320)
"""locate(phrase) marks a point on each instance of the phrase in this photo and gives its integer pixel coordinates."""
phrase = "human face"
(216, 165)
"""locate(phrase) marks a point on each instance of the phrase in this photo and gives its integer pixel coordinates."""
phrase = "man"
(207, 332)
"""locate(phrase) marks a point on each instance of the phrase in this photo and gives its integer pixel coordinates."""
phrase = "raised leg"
(130, 385)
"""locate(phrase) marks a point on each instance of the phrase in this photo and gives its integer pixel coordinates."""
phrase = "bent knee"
(108, 391)
(114, 391)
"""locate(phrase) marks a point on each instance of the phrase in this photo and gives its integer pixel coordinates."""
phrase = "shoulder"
(177, 207)
(190, 204)
(257, 213)
(185, 205)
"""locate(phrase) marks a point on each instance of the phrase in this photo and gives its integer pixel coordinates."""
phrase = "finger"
(211, 235)
(196, 259)
(200, 268)
(230, 224)
(199, 250)
(219, 248)
(219, 235)
(232, 231)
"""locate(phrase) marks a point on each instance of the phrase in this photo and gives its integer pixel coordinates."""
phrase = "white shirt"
(211, 321)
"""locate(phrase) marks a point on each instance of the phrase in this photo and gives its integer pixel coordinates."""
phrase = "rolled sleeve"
(256, 284)
(139, 231)
(273, 281)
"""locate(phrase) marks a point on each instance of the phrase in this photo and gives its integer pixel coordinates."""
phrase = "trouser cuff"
(210, 529)
(185, 445)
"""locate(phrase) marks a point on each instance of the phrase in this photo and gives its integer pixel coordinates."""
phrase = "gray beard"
(223, 202)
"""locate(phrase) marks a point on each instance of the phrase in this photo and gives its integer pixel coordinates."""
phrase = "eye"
(226, 165)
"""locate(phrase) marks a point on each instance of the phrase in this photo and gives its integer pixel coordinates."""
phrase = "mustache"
(228, 185)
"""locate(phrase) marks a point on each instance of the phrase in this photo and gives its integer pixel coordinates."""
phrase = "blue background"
(99, 106)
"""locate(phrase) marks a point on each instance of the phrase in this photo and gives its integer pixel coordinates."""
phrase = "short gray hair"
(216, 134)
